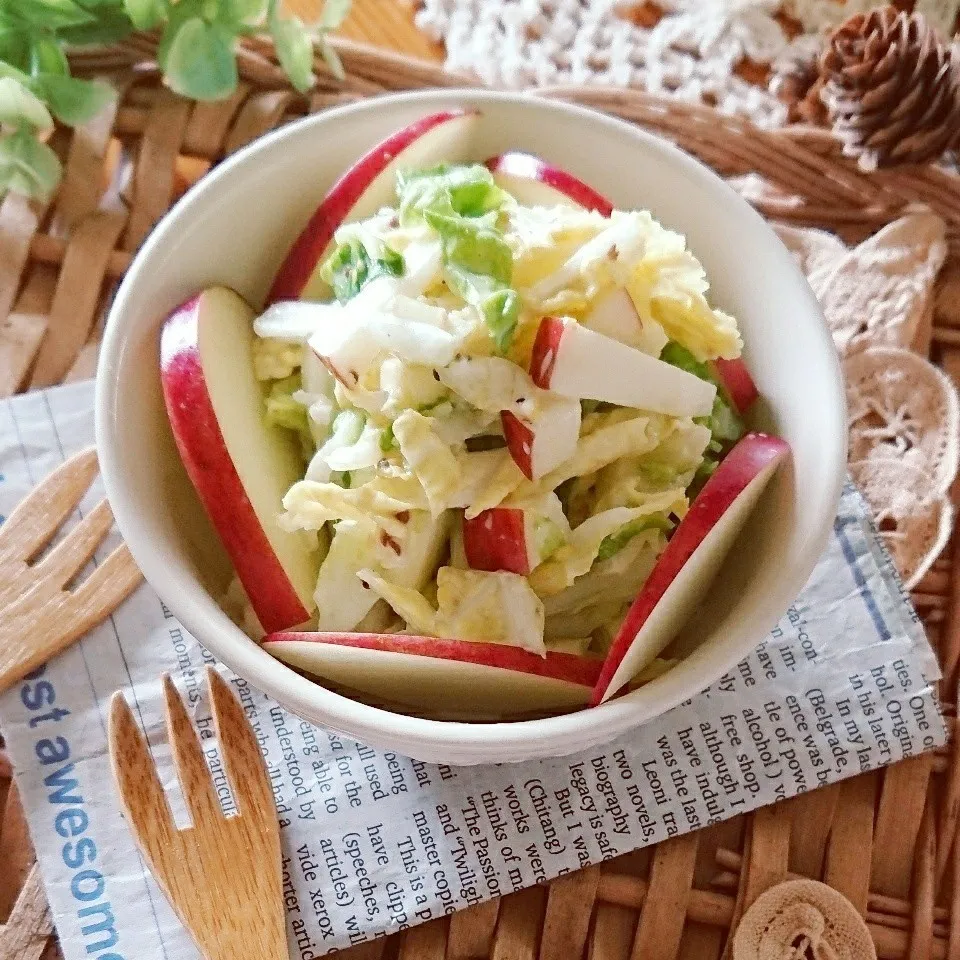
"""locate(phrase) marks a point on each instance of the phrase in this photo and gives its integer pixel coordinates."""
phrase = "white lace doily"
(903, 412)
(692, 52)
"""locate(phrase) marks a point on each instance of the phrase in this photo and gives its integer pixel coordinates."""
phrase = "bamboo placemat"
(884, 839)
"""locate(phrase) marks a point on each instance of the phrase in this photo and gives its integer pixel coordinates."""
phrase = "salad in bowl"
(484, 447)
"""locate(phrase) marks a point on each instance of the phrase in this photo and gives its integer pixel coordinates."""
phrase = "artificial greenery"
(197, 53)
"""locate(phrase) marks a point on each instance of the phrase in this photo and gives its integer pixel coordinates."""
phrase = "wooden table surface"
(383, 23)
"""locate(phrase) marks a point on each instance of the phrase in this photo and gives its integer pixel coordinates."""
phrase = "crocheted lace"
(903, 412)
(693, 52)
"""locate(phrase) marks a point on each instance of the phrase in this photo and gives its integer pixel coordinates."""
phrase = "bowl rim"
(481, 741)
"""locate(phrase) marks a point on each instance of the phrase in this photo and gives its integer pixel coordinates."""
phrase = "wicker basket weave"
(884, 839)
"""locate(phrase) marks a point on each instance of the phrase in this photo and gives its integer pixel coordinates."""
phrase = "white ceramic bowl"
(235, 227)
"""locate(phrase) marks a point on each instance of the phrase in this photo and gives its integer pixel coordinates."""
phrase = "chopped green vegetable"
(388, 441)
(282, 409)
(724, 423)
(441, 407)
(656, 472)
(678, 356)
(464, 191)
(499, 305)
(615, 542)
(548, 537)
(460, 204)
(350, 267)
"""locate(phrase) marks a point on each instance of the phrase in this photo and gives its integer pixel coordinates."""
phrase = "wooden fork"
(222, 875)
(41, 615)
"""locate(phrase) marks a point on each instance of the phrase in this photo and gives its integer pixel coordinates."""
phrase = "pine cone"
(891, 89)
(796, 83)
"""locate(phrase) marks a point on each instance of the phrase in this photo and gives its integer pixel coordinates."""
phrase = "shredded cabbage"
(309, 505)
(705, 332)
(275, 359)
(497, 607)
(671, 465)
(397, 387)
(723, 422)
(608, 585)
(476, 605)
(412, 606)
(609, 443)
(347, 428)
(505, 480)
(585, 542)
(488, 383)
(342, 601)
(365, 451)
(431, 460)
(408, 386)
(358, 260)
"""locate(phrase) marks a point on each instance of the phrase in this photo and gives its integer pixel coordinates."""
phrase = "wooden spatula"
(222, 875)
(43, 611)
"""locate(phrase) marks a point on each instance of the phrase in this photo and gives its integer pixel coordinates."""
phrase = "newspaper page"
(374, 842)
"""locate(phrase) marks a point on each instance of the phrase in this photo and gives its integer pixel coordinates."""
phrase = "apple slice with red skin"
(737, 382)
(239, 465)
(506, 538)
(496, 539)
(572, 360)
(536, 183)
(441, 674)
(542, 441)
(366, 187)
(686, 567)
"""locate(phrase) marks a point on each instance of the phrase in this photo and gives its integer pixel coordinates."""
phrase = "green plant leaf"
(46, 56)
(110, 26)
(180, 13)
(50, 14)
(200, 62)
(6, 70)
(73, 101)
(243, 11)
(332, 59)
(27, 165)
(145, 14)
(333, 14)
(295, 50)
(20, 107)
(14, 46)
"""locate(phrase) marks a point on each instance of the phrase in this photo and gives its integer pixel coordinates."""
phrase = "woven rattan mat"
(884, 839)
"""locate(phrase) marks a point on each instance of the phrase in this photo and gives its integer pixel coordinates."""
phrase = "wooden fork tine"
(106, 588)
(28, 926)
(71, 554)
(141, 793)
(41, 622)
(240, 751)
(37, 518)
(192, 770)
